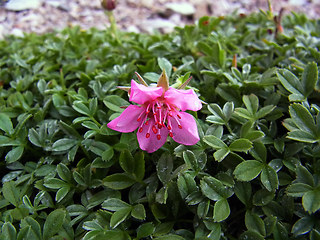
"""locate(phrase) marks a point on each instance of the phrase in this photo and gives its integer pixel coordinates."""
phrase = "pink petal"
(151, 143)
(188, 133)
(127, 121)
(141, 94)
(183, 99)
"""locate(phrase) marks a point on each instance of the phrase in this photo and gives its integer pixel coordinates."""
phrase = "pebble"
(182, 8)
(19, 5)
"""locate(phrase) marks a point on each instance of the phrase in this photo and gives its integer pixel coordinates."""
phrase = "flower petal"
(127, 121)
(183, 99)
(152, 143)
(141, 94)
(188, 133)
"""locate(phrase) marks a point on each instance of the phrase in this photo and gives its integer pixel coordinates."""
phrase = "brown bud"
(109, 5)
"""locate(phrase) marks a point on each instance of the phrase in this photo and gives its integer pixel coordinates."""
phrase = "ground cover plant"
(254, 174)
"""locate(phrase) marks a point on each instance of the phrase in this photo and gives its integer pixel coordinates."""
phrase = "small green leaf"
(190, 160)
(240, 145)
(6, 124)
(64, 172)
(220, 154)
(292, 84)
(115, 103)
(145, 230)
(15, 154)
(221, 210)
(11, 193)
(34, 228)
(8, 232)
(251, 235)
(119, 216)
(53, 223)
(255, 223)
(269, 178)
(311, 201)
(114, 204)
(248, 170)
(214, 142)
(298, 189)
(213, 189)
(139, 165)
(303, 226)
(61, 193)
(118, 181)
(309, 78)
(138, 212)
(80, 107)
(251, 102)
(164, 64)
(262, 197)
(63, 144)
(164, 167)
(302, 118)
(127, 162)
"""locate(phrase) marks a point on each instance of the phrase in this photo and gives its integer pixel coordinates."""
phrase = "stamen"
(178, 116)
(154, 129)
(169, 127)
(140, 130)
(147, 135)
(158, 136)
(147, 122)
(170, 134)
(179, 126)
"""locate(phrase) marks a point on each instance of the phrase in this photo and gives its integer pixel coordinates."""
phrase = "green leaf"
(114, 204)
(118, 181)
(221, 210)
(127, 162)
(80, 107)
(115, 103)
(303, 226)
(302, 136)
(164, 167)
(304, 176)
(34, 228)
(213, 189)
(302, 118)
(15, 154)
(64, 172)
(262, 197)
(61, 193)
(6, 124)
(221, 154)
(251, 102)
(8, 232)
(292, 84)
(248, 170)
(269, 178)
(264, 111)
(145, 230)
(309, 78)
(250, 235)
(255, 223)
(53, 223)
(311, 201)
(169, 237)
(243, 190)
(138, 212)
(139, 166)
(240, 145)
(55, 183)
(214, 142)
(63, 144)
(11, 193)
(164, 64)
(298, 189)
(190, 160)
(119, 216)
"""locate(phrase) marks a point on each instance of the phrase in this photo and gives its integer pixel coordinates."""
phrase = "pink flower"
(161, 113)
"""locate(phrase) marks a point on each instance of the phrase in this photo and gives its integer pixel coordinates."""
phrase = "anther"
(179, 126)
(169, 127)
(140, 130)
(170, 134)
(178, 116)
(139, 118)
(147, 122)
(158, 136)
(147, 135)
(154, 129)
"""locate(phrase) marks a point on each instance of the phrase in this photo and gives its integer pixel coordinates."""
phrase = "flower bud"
(109, 5)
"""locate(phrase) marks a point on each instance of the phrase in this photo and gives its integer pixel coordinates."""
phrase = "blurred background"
(18, 16)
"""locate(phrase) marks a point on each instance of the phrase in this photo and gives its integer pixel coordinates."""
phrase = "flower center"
(163, 114)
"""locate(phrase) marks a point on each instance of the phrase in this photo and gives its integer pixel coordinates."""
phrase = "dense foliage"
(255, 174)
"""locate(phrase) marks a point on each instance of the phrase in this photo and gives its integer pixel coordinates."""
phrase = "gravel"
(19, 16)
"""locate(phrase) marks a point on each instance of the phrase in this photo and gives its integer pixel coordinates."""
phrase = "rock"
(159, 24)
(17, 32)
(182, 8)
(19, 5)
(1, 32)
